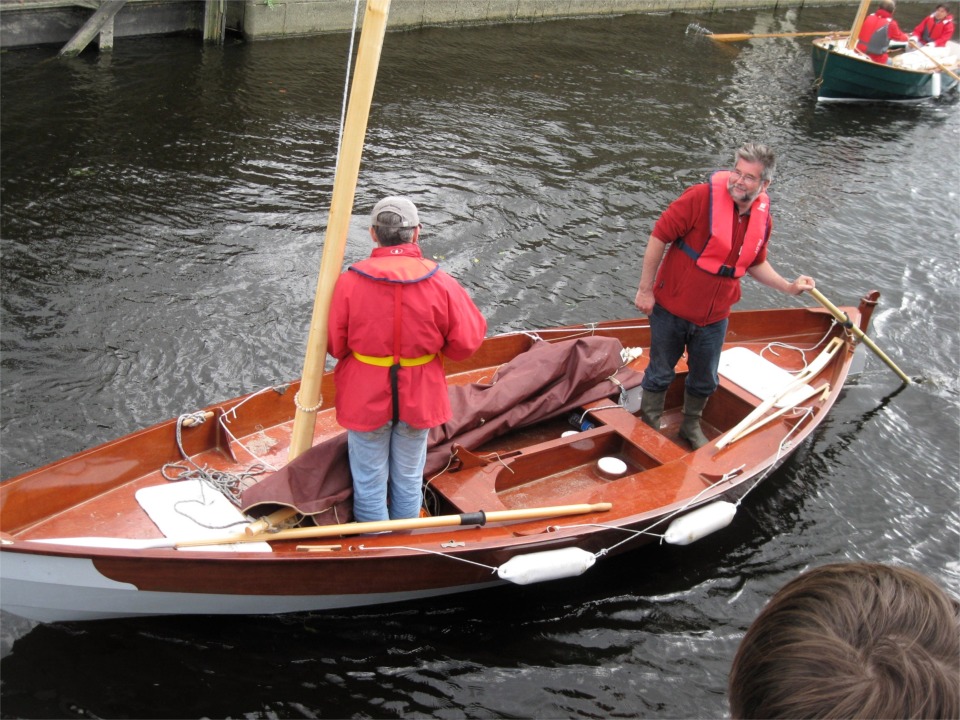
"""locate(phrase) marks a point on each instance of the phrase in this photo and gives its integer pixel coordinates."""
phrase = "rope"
(228, 484)
(568, 333)
(429, 552)
(232, 413)
(784, 445)
(803, 352)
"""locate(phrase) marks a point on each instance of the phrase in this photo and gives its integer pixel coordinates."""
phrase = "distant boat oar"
(842, 317)
(932, 59)
(734, 37)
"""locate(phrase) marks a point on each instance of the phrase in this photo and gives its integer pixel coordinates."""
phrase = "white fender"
(700, 523)
(546, 565)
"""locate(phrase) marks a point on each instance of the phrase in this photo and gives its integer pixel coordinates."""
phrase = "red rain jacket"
(437, 316)
(931, 31)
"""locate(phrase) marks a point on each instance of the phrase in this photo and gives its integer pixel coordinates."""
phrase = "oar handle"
(842, 317)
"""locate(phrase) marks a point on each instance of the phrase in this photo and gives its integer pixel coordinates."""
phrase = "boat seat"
(655, 444)
(465, 487)
(559, 470)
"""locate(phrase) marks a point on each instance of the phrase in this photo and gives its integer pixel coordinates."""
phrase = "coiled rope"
(231, 485)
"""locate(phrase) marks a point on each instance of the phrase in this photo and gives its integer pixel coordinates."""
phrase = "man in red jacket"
(936, 29)
(392, 317)
(716, 232)
(878, 30)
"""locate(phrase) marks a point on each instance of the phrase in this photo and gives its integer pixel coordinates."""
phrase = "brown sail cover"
(547, 380)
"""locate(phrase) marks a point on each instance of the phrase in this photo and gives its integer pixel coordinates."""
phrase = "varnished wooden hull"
(92, 494)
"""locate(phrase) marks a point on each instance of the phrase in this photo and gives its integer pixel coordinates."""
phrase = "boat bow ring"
(546, 565)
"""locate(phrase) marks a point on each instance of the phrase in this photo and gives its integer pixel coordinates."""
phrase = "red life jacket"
(399, 269)
(874, 39)
(718, 246)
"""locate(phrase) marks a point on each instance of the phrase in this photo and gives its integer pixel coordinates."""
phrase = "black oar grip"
(474, 518)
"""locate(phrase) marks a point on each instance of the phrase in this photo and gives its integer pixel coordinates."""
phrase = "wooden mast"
(857, 24)
(341, 206)
(308, 398)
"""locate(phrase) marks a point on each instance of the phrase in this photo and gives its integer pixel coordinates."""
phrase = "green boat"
(845, 75)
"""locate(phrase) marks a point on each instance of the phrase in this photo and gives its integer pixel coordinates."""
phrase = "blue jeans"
(669, 336)
(387, 461)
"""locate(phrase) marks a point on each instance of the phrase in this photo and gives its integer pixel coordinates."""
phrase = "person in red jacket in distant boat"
(712, 235)
(936, 29)
(878, 30)
(392, 316)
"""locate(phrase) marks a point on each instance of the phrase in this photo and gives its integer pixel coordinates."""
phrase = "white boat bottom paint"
(49, 588)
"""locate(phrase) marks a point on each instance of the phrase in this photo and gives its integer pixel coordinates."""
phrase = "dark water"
(163, 212)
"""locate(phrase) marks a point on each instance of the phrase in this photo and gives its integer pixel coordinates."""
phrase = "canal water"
(163, 212)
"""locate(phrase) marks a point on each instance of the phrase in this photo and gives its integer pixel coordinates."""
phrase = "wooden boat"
(516, 502)
(844, 74)
(187, 517)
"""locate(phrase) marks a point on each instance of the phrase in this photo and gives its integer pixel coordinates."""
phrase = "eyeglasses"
(749, 179)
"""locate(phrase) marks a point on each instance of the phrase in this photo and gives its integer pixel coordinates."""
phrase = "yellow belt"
(388, 361)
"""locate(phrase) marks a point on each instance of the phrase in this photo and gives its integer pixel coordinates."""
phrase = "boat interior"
(546, 464)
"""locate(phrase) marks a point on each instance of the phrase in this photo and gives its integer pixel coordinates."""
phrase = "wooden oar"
(734, 37)
(381, 526)
(801, 379)
(842, 317)
(804, 396)
(356, 528)
(932, 59)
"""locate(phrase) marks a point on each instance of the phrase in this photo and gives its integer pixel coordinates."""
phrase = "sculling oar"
(932, 59)
(356, 528)
(842, 317)
(734, 37)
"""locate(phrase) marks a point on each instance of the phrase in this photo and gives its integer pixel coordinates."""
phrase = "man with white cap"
(392, 317)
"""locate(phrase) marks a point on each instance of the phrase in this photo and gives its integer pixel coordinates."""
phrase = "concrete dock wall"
(41, 22)
(286, 18)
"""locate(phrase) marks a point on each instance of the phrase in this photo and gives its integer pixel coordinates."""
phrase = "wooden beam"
(214, 21)
(102, 18)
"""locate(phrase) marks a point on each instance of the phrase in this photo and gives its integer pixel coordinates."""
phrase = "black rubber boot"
(690, 429)
(651, 407)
